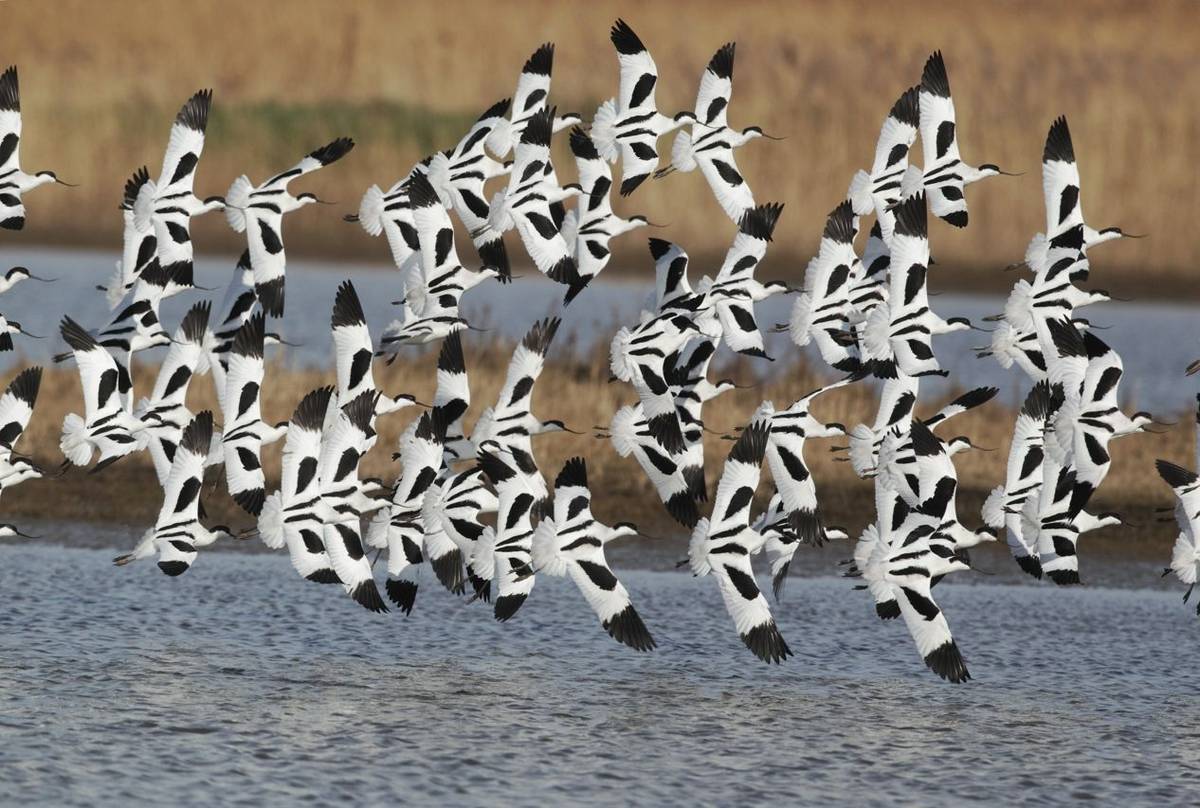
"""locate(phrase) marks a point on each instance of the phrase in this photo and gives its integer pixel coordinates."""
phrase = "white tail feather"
(682, 156)
(603, 132)
(860, 194)
(862, 450)
(370, 211)
(623, 430)
(800, 323)
(270, 522)
(993, 508)
(236, 199)
(697, 556)
(912, 182)
(74, 443)
(545, 555)
(143, 206)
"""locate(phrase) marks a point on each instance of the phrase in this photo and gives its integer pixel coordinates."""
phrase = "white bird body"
(823, 309)
(245, 433)
(168, 204)
(630, 125)
(14, 182)
(258, 212)
(572, 543)
(177, 533)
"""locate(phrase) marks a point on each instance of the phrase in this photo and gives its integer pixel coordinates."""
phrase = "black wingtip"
(574, 473)
(839, 226)
(347, 308)
(976, 397)
(659, 247)
(759, 222)
(10, 91)
(366, 594)
(195, 323)
(325, 575)
(807, 526)
(582, 146)
(494, 254)
(767, 643)
(197, 435)
(360, 411)
(402, 593)
(76, 336)
(449, 571)
(947, 662)
(270, 295)
(539, 337)
(481, 586)
(1058, 142)
(450, 358)
(1064, 577)
(541, 62)
(333, 151)
(721, 64)
(630, 184)
(933, 77)
(538, 130)
(779, 580)
(626, 627)
(907, 108)
(665, 429)
(506, 606)
(133, 185)
(624, 39)
(421, 193)
(496, 110)
(912, 217)
(1173, 474)
(752, 443)
(682, 508)
(173, 568)
(1067, 339)
(25, 386)
(1030, 565)
(697, 488)
(194, 112)
(250, 337)
(309, 414)
(251, 500)
(924, 442)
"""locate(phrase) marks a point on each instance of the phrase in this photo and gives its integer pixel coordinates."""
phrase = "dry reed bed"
(101, 81)
(577, 392)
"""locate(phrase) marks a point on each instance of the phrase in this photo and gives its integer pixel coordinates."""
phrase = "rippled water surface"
(238, 683)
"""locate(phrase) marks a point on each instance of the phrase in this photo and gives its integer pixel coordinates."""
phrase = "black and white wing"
(16, 407)
(452, 395)
(749, 244)
(1060, 180)
(533, 90)
(467, 172)
(184, 147)
(12, 210)
(716, 87)
(512, 550)
(515, 399)
(264, 229)
(353, 349)
(173, 530)
(670, 273)
(184, 359)
(242, 440)
(630, 436)
(943, 168)
(927, 624)
(530, 207)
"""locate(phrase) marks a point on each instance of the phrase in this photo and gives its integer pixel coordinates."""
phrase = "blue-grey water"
(1157, 340)
(241, 684)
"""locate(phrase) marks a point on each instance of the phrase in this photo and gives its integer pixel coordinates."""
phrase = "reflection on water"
(239, 679)
(1156, 340)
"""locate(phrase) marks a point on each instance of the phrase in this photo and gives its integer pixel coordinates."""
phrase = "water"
(1156, 340)
(240, 680)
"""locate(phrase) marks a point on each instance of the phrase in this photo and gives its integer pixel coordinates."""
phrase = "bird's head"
(1140, 420)
(724, 386)
(1111, 233)
(958, 324)
(213, 203)
(7, 531)
(223, 532)
(555, 426)
(624, 529)
(753, 132)
(1109, 519)
(684, 118)
(992, 170)
(779, 288)
(835, 430)
(958, 444)
(567, 120)
(307, 198)
(47, 177)
(572, 190)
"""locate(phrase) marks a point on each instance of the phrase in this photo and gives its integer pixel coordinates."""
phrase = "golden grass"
(102, 80)
(576, 392)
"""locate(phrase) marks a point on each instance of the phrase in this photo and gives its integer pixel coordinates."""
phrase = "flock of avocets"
(867, 317)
